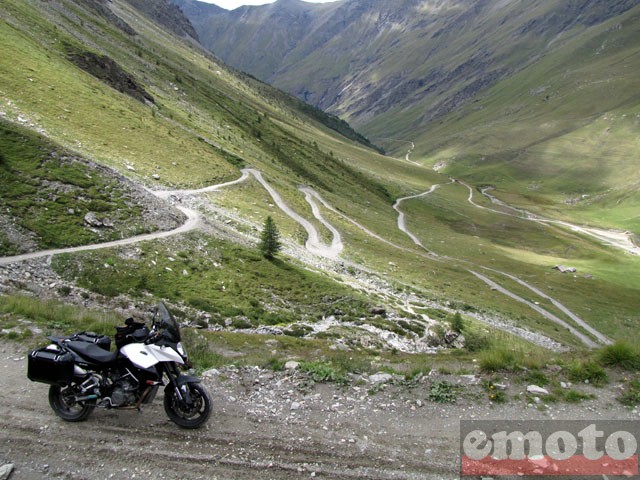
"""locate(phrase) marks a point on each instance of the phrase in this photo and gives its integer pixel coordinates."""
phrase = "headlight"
(181, 350)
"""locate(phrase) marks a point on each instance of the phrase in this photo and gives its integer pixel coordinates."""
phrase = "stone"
(211, 373)
(380, 378)
(92, 220)
(291, 365)
(536, 390)
(378, 311)
(5, 471)
(295, 406)
(500, 386)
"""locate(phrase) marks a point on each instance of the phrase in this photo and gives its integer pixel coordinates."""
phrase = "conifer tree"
(270, 239)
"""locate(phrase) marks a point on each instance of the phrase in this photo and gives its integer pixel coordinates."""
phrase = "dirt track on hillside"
(335, 433)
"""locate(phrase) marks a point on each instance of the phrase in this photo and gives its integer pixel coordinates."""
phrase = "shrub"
(199, 352)
(500, 358)
(457, 324)
(620, 354)
(587, 371)
(322, 372)
(443, 392)
(275, 364)
(476, 342)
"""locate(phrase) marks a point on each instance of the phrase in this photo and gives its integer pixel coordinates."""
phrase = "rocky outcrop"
(168, 15)
(108, 71)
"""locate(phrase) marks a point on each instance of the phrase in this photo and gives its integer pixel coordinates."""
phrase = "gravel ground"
(265, 425)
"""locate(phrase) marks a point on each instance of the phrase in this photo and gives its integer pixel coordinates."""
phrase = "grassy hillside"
(560, 136)
(166, 114)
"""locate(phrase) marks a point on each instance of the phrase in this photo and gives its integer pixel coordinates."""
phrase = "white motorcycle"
(84, 374)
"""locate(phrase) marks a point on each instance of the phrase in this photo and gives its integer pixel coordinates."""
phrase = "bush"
(275, 364)
(457, 324)
(476, 342)
(500, 358)
(587, 371)
(322, 372)
(620, 354)
(443, 392)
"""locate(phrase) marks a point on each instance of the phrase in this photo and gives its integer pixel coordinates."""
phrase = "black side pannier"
(50, 366)
(102, 341)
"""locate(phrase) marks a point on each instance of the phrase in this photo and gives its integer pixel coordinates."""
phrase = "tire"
(62, 403)
(191, 415)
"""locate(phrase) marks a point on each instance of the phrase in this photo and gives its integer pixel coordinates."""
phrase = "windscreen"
(167, 324)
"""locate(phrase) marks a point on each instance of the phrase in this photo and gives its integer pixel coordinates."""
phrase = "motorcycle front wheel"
(191, 412)
(62, 401)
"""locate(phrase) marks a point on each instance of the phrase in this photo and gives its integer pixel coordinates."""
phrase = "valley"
(494, 246)
(225, 151)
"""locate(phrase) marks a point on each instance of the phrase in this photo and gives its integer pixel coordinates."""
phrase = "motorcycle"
(83, 374)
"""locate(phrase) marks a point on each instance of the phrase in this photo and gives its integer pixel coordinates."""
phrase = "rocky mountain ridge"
(368, 60)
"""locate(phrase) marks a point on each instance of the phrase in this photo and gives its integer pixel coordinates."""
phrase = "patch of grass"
(587, 371)
(536, 377)
(444, 392)
(631, 395)
(574, 396)
(56, 316)
(621, 355)
(274, 363)
(200, 352)
(47, 191)
(502, 358)
(228, 281)
(323, 372)
(495, 395)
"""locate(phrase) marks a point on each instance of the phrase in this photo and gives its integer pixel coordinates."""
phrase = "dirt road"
(265, 425)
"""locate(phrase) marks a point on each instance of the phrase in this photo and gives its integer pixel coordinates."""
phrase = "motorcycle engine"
(124, 392)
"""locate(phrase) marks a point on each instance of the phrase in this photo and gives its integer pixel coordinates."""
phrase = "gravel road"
(265, 425)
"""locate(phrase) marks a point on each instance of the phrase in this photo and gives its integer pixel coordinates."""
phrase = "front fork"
(179, 382)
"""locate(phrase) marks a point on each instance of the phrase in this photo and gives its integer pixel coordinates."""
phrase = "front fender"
(185, 379)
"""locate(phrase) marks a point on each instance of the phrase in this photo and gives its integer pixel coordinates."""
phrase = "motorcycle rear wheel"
(188, 415)
(61, 400)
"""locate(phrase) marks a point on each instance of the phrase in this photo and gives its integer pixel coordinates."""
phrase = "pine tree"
(270, 239)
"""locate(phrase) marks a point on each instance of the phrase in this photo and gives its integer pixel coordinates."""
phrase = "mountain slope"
(505, 81)
(111, 85)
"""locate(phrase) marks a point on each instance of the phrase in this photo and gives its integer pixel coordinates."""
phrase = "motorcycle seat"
(92, 352)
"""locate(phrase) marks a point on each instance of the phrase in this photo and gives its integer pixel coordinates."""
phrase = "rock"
(291, 365)
(454, 339)
(211, 373)
(564, 385)
(536, 390)
(459, 342)
(500, 386)
(295, 406)
(380, 378)
(378, 311)
(5, 471)
(92, 220)
(155, 176)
